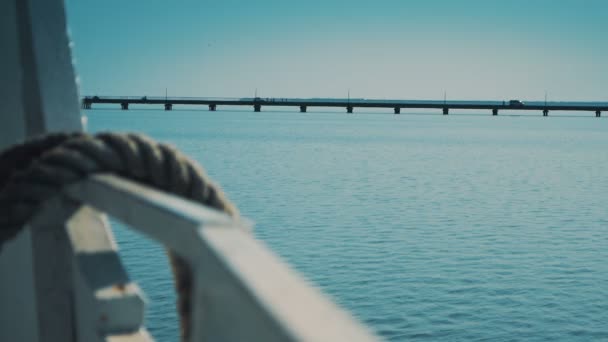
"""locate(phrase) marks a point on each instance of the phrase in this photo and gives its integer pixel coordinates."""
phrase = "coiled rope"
(33, 172)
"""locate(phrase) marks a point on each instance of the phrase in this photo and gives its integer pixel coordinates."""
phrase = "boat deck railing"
(241, 290)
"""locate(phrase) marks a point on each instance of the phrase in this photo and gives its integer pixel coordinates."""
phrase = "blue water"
(426, 227)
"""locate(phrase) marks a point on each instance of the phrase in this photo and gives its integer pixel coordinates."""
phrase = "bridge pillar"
(495, 111)
(546, 112)
(257, 107)
(598, 113)
(212, 107)
(349, 109)
(124, 105)
(397, 110)
(446, 111)
(86, 105)
(302, 109)
(168, 106)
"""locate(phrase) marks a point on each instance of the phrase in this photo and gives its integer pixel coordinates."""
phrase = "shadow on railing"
(241, 290)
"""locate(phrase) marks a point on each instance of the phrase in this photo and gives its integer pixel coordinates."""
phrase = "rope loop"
(36, 170)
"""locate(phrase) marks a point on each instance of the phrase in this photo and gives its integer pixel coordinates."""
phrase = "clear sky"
(400, 49)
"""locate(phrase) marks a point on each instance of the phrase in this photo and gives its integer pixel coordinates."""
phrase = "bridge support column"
(546, 112)
(349, 109)
(495, 111)
(124, 105)
(598, 113)
(212, 107)
(168, 106)
(446, 111)
(397, 110)
(302, 109)
(86, 105)
(257, 108)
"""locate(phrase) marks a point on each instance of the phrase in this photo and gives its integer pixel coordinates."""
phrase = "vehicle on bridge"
(516, 103)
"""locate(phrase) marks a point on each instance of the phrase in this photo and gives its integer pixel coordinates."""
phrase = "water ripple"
(425, 228)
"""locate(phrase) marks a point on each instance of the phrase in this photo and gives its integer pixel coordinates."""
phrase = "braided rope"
(33, 172)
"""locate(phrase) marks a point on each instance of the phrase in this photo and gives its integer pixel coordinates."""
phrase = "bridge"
(348, 104)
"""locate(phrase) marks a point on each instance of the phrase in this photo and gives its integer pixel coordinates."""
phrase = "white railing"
(242, 291)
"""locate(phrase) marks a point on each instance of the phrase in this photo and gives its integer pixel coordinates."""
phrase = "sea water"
(425, 227)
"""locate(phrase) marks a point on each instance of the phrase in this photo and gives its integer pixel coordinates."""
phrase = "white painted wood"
(151, 211)
(49, 93)
(140, 336)
(17, 299)
(11, 109)
(246, 291)
(243, 291)
(52, 268)
(106, 301)
(37, 95)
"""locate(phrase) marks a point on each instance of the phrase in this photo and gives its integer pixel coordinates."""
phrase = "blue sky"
(377, 49)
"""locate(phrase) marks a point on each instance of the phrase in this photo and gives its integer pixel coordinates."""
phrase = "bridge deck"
(345, 103)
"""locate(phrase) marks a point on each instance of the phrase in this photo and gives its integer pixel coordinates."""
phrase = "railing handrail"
(242, 291)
